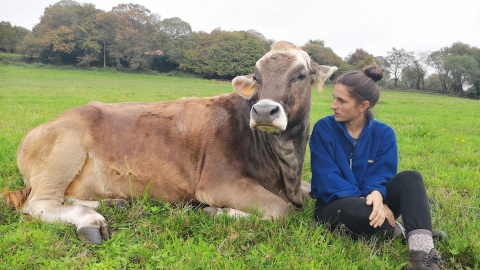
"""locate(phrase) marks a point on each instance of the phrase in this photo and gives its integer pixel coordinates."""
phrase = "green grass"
(10, 56)
(437, 135)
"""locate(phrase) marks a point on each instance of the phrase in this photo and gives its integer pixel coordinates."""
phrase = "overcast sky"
(344, 25)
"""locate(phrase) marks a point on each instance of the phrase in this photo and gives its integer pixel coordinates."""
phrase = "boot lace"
(427, 260)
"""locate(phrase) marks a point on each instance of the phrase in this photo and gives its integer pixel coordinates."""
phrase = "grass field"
(438, 136)
(10, 56)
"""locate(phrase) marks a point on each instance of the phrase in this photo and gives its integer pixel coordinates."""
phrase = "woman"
(354, 172)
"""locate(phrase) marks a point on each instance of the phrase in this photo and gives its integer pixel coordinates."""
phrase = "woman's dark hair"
(362, 85)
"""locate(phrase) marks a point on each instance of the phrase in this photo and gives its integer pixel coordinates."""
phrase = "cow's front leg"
(217, 211)
(306, 190)
(243, 194)
(117, 203)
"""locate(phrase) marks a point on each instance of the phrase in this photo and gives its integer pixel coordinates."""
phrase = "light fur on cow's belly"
(97, 181)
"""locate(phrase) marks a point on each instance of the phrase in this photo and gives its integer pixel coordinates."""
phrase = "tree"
(80, 20)
(464, 70)
(11, 36)
(175, 27)
(437, 60)
(59, 40)
(433, 82)
(223, 54)
(457, 67)
(133, 34)
(321, 54)
(266, 43)
(105, 23)
(59, 43)
(414, 74)
(7, 36)
(355, 57)
(460, 48)
(368, 60)
(397, 61)
(31, 46)
(87, 36)
(476, 81)
(59, 14)
(174, 38)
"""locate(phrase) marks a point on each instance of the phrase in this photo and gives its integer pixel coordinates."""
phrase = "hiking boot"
(438, 235)
(421, 260)
(399, 230)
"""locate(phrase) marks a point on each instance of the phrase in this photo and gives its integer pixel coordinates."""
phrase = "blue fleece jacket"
(374, 159)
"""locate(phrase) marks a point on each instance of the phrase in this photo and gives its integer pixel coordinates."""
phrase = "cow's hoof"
(93, 235)
(120, 204)
(212, 211)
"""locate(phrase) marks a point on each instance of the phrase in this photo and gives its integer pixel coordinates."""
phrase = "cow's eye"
(301, 77)
(255, 79)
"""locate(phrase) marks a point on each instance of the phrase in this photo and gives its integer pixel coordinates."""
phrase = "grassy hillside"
(438, 136)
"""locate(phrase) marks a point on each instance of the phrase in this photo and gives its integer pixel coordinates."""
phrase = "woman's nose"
(334, 106)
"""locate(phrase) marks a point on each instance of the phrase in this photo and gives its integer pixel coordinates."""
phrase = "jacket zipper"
(353, 151)
(351, 155)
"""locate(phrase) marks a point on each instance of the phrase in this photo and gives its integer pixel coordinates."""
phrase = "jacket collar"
(365, 130)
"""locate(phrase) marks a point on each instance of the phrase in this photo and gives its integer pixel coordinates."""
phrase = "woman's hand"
(378, 215)
(389, 215)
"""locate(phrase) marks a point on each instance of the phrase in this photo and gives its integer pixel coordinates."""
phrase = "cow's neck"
(288, 150)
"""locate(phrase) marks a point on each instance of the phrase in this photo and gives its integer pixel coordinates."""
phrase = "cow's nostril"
(274, 111)
(254, 111)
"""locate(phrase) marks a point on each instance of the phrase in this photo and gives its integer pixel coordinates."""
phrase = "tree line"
(130, 37)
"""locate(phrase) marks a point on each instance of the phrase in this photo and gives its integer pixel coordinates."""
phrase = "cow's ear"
(245, 86)
(321, 74)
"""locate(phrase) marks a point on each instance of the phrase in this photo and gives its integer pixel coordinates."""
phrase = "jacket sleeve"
(384, 165)
(328, 181)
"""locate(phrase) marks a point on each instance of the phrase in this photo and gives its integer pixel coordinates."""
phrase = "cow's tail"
(16, 198)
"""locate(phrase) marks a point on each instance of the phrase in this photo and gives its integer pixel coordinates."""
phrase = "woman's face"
(344, 106)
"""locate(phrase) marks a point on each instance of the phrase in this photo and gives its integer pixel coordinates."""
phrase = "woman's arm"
(329, 181)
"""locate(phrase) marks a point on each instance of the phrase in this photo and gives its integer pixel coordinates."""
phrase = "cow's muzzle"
(268, 115)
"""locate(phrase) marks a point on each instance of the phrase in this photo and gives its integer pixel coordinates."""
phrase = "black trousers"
(406, 197)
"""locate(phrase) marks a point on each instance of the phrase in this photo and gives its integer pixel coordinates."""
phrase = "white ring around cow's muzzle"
(268, 115)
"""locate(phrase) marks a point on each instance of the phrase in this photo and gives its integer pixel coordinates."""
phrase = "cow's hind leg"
(47, 203)
(49, 173)
(91, 226)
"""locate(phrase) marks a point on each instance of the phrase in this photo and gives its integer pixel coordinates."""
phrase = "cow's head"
(281, 86)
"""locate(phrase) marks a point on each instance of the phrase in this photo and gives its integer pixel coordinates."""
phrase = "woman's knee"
(404, 186)
(410, 178)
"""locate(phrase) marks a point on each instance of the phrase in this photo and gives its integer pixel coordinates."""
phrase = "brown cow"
(241, 151)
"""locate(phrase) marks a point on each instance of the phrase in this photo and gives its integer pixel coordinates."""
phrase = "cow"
(239, 151)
